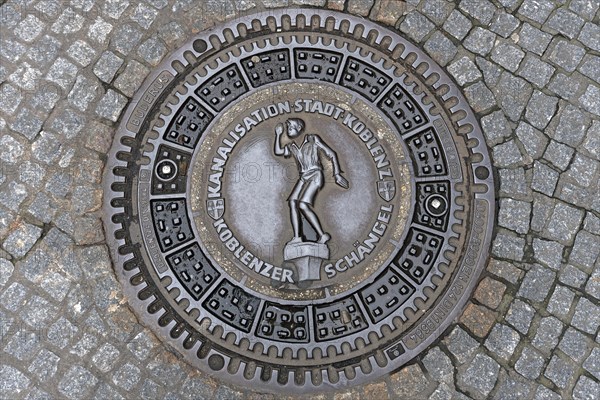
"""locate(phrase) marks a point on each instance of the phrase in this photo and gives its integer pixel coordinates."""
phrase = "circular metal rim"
(112, 227)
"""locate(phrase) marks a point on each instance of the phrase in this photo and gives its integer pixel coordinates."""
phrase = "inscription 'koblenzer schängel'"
(216, 202)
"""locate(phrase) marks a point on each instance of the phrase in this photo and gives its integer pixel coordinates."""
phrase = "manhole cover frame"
(163, 323)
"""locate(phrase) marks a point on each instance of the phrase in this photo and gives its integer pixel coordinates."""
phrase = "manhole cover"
(299, 201)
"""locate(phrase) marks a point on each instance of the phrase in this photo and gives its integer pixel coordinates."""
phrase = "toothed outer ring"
(257, 363)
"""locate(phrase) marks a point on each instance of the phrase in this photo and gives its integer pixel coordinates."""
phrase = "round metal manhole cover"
(299, 201)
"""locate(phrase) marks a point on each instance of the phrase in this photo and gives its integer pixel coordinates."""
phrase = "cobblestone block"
(540, 109)
(502, 341)
(530, 364)
(536, 71)
(99, 30)
(480, 376)
(592, 364)
(564, 223)
(461, 344)
(38, 312)
(440, 48)
(82, 53)
(436, 10)
(565, 22)
(565, 55)
(572, 126)
(480, 97)
(22, 239)
(520, 315)
(77, 383)
(537, 283)
(152, 50)
(504, 270)
(584, 8)
(565, 86)
(574, 344)
(464, 71)
(512, 93)
(125, 38)
(107, 66)
(589, 36)
(480, 41)
(533, 39)
(507, 56)
(586, 389)
(23, 344)
(62, 73)
(560, 302)
(507, 154)
(547, 334)
(573, 277)
(586, 250)
(536, 10)
(131, 78)
(508, 246)
(548, 253)
(144, 15)
(457, 25)
(439, 365)
(111, 105)
(514, 215)
(127, 377)
(12, 380)
(590, 67)
(416, 26)
(481, 10)
(490, 292)
(559, 371)
(504, 24)
(589, 100)
(105, 357)
(478, 319)
(45, 365)
(545, 178)
(409, 382)
(533, 140)
(559, 154)
(68, 22)
(587, 316)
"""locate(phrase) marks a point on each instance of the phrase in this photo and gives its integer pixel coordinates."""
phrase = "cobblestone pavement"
(529, 68)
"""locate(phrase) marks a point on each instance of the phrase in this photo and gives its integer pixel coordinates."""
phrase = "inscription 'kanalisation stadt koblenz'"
(300, 201)
(311, 182)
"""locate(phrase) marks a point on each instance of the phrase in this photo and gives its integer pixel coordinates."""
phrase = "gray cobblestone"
(587, 316)
(105, 357)
(559, 371)
(495, 127)
(127, 377)
(125, 38)
(144, 15)
(84, 91)
(152, 50)
(37, 312)
(533, 140)
(457, 25)
(572, 126)
(77, 383)
(508, 246)
(586, 389)
(131, 78)
(533, 39)
(590, 67)
(504, 24)
(565, 55)
(565, 22)
(82, 53)
(573, 277)
(584, 8)
(480, 376)
(543, 393)
(460, 344)
(480, 41)
(565, 86)
(45, 365)
(589, 36)
(592, 364)
(514, 215)
(589, 100)
(480, 97)
(502, 341)
(111, 105)
(536, 71)
(507, 154)
(12, 380)
(62, 73)
(513, 93)
(99, 30)
(560, 302)
(547, 334)
(464, 71)
(548, 253)
(559, 154)
(540, 109)
(507, 55)
(440, 48)
(574, 344)
(439, 365)
(544, 179)
(536, 10)
(27, 124)
(416, 26)
(564, 223)
(482, 10)
(436, 10)
(107, 66)
(537, 283)
(530, 364)
(22, 239)
(68, 22)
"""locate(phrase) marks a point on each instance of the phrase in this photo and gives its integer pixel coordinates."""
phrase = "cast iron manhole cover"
(299, 201)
